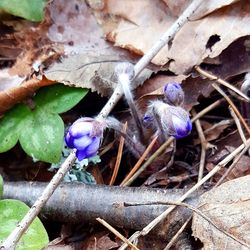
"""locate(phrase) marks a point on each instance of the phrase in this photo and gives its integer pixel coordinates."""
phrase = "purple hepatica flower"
(173, 93)
(85, 135)
(174, 121)
(181, 123)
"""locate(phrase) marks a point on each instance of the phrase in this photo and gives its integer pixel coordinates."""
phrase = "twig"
(207, 109)
(119, 155)
(176, 236)
(117, 94)
(16, 234)
(232, 166)
(139, 162)
(115, 232)
(204, 146)
(161, 217)
(194, 209)
(237, 122)
(158, 152)
(222, 82)
(233, 106)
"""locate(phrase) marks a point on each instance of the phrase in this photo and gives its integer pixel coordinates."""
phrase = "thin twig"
(221, 81)
(204, 146)
(162, 216)
(158, 152)
(207, 109)
(115, 232)
(232, 166)
(119, 155)
(176, 236)
(233, 107)
(139, 162)
(238, 125)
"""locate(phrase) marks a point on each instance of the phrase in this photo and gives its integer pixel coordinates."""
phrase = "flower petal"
(182, 127)
(83, 142)
(81, 154)
(69, 140)
(93, 147)
(79, 129)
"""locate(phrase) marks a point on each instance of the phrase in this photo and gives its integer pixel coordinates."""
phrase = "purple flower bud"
(174, 121)
(85, 135)
(174, 94)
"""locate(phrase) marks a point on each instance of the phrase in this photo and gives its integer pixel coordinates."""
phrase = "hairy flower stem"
(162, 135)
(125, 74)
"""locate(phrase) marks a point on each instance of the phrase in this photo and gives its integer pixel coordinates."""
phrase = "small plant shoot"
(40, 130)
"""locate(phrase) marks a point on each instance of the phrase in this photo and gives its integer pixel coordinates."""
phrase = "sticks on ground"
(161, 217)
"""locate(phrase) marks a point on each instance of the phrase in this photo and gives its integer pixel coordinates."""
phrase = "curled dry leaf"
(87, 71)
(228, 207)
(197, 40)
(10, 96)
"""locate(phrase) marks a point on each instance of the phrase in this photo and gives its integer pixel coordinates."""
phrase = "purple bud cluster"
(168, 116)
(85, 136)
(173, 94)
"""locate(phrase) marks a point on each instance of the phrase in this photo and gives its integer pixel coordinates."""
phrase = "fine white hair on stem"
(125, 73)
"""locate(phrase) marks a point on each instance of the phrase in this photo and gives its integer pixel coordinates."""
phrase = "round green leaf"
(10, 126)
(11, 212)
(28, 9)
(59, 98)
(42, 136)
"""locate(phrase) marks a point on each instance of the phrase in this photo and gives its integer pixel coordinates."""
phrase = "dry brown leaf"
(228, 206)
(177, 7)
(241, 168)
(197, 40)
(233, 61)
(213, 131)
(8, 81)
(99, 241)
(88, 71)
(10, 96)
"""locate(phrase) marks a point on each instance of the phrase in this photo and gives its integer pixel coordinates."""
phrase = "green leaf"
(1, 187)
(10, 126)
(40, 131)
(42, 136)
(11, 212)
(59, 98)
(28, 9)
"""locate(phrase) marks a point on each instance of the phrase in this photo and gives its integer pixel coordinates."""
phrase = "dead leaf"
(99, 241)
(93, 72)
(213, 131)
(197, 40)
(177, 7)
(228, 207)
(12, 95)
(241, 168)
(8, 81)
